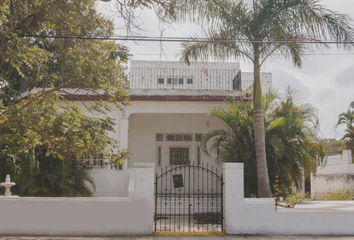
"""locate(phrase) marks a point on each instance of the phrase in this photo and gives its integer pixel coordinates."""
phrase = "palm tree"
(291, 139)
(348, 119)
(262, 29)
(235, 143)
(351, 105)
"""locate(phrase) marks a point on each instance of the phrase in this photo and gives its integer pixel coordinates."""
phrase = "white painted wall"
(110, 182)
(136, 128)
(83, 216)
(207, 76)
(144, 75)
(266, 81)
(143, 129)
(333, 177)
(258, 216)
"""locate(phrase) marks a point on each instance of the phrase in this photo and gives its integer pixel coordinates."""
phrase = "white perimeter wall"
(110, 182)
(258, 216)
(84, 216)
(333, 177)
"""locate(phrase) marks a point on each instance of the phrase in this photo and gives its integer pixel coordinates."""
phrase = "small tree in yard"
(38, 53)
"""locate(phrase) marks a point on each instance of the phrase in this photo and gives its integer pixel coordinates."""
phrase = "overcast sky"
(325, 80)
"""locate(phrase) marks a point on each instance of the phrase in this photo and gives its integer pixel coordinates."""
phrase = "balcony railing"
(183, 78)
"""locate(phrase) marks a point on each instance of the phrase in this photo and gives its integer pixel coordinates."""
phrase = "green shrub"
(296, 198)
(50, 177)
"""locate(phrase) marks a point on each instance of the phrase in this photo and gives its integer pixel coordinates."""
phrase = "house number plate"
(177, 181)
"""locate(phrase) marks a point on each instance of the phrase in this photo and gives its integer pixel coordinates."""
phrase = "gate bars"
(188, 198)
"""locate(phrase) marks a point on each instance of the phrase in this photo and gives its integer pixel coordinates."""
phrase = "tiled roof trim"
(201, 98)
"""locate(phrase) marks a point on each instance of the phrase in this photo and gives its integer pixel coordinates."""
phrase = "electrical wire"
(184, 39)
(308, 54)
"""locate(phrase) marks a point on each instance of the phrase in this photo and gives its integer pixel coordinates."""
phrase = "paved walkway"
(236, 237)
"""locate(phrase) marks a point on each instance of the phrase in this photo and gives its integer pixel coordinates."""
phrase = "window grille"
(173, 80)
(90, 161)
(159, 137)
(189, 81)
(179, 156)
(160, 80)
(170, 137)
(188, 137)
(198, 137)
(179, 137)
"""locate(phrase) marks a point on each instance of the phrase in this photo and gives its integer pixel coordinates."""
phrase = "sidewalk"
(228, 237)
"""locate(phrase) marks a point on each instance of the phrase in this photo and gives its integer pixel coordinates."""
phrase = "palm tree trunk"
(259, 133)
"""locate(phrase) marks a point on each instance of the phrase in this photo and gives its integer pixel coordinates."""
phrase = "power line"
(308, 54)
(184, 39)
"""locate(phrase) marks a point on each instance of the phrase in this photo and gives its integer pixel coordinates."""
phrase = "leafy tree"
(167, 11)
(262, 29)
(52, 69)
(291, 139)
(334, 146)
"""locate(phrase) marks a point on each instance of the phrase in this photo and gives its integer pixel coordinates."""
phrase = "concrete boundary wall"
(131, 215)
(333, 177)
(258, 216)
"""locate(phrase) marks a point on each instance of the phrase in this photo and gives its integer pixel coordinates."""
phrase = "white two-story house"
(167, 117)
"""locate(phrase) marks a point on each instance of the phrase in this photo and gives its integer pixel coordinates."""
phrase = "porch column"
(124, 137)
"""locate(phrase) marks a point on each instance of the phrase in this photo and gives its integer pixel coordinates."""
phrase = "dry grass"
(339, 195)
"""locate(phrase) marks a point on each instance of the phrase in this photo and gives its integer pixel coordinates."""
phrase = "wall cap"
(233, 165)
(67, 199)
(259, 201)
(144, 165)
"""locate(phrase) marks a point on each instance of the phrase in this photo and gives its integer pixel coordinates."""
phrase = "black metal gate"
(188, 198)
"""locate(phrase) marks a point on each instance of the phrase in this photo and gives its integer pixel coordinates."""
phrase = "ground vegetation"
(339, 195)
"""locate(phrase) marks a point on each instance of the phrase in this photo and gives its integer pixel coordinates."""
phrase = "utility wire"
(307, 54)
(183, 39)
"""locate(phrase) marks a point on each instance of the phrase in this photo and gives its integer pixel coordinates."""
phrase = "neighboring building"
(337, 174)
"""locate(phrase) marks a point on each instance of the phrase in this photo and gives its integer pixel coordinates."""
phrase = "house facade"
(167, 117)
